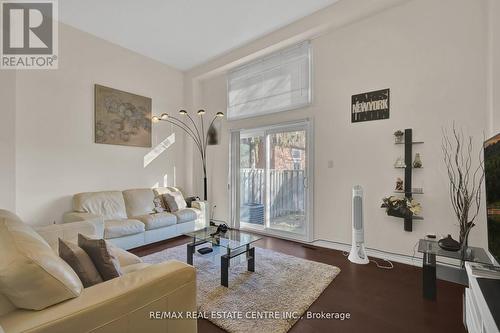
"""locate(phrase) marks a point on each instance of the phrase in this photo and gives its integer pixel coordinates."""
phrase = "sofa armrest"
(203, 207)
(96, 220)
(123, 304)
(69, 231)
(77, 216)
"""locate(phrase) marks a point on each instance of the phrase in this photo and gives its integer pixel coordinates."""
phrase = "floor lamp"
(201, 138)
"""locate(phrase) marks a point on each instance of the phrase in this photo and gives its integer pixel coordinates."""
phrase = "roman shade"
(278, 82)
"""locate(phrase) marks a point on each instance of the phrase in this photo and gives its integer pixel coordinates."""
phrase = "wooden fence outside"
(286, 190)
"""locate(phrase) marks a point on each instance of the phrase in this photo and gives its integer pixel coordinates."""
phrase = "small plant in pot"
(398, 136)
(401, 206)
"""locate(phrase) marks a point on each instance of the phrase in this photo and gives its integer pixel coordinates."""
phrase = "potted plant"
(401, 206)
(398, 136)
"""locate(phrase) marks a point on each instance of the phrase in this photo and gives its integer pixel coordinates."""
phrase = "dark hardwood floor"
(378, 300)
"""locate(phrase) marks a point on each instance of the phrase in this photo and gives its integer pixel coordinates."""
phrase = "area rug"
(270, 300)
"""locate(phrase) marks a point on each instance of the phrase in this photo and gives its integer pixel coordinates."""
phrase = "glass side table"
(430, 250)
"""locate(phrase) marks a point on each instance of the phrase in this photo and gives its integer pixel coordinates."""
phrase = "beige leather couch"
(129, 219)
(122, 304)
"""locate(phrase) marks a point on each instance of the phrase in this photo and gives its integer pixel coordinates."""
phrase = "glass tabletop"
(231, 239)
(472, 254)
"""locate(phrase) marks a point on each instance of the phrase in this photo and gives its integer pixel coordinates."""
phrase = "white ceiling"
(183, 33)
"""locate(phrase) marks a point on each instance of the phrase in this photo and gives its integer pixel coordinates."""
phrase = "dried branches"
(465, 180)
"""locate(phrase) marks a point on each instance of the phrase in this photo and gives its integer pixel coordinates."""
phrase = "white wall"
(432, 55)
(7, 140)
(56, 154)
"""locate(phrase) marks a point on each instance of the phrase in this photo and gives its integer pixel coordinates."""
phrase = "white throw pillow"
(175, 201)
(32, 276)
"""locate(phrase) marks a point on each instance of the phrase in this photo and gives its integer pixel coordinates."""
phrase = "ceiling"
(183, 33)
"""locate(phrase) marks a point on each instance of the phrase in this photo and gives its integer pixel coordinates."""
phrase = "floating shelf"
(410, 192)
(406, 167)
(413, 143)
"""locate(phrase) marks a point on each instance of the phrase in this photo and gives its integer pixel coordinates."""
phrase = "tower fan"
(358, 253)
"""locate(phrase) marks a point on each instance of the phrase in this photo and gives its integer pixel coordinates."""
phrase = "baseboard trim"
(400, 258)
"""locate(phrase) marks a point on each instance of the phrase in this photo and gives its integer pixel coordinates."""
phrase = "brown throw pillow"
(159, 204)
(81, 263)
(175, 201)
(103, 259)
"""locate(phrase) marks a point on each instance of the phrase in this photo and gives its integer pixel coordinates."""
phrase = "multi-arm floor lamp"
(200, 138)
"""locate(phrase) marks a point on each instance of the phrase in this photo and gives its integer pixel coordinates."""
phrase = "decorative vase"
(449, 244)
(398, 136)
(399, 185)
(399, 163)
(417, 163)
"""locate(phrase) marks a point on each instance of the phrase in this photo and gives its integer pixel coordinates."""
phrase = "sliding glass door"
(273, 192)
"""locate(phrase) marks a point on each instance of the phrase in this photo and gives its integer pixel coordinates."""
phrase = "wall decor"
(373, 105)
(121, 118)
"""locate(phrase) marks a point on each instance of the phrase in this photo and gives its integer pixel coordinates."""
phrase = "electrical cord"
(390, 266)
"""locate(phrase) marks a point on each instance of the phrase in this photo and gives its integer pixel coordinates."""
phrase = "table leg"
(190, 252)
(429, 276)
(251, 259)
(224, 270)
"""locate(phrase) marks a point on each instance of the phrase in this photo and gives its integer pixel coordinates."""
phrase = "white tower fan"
(358, 253)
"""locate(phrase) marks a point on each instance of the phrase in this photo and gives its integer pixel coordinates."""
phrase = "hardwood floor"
(378, 300)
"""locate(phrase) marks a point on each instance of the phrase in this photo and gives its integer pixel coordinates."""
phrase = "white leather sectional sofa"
(129, 219)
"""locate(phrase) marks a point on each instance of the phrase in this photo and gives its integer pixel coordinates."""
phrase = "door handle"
(306, 182)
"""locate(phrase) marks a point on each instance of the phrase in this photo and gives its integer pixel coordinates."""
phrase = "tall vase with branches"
(465, 179)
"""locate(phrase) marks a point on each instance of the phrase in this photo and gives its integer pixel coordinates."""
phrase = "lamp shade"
(212, 136)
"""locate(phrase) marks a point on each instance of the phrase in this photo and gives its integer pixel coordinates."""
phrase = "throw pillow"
(175, 201)
(81, 263)
(32, 276)
(189, 200)
(159, 204)
(102, 257)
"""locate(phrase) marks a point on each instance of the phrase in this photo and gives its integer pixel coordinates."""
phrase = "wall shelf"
(413, 143)
(408, 191)
(411, 192)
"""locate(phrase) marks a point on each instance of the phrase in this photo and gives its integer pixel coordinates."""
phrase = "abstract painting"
(122, 118)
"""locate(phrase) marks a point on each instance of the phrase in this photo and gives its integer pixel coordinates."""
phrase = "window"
(278, 82)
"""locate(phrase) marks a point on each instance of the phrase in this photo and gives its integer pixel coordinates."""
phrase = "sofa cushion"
(123, 227)
(186, 215)
(109, 204)
(158, 220)
(81, 263)
(102, 257)
(134, 267)
(32, 276)
(124, 257)
(139, 201)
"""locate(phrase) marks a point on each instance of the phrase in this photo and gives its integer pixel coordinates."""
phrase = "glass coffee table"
(233, 241)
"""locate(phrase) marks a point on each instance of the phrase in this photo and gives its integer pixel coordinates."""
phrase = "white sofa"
(120, 305)
(129, 219)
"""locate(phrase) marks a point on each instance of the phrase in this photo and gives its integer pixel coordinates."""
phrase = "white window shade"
(278, 82)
